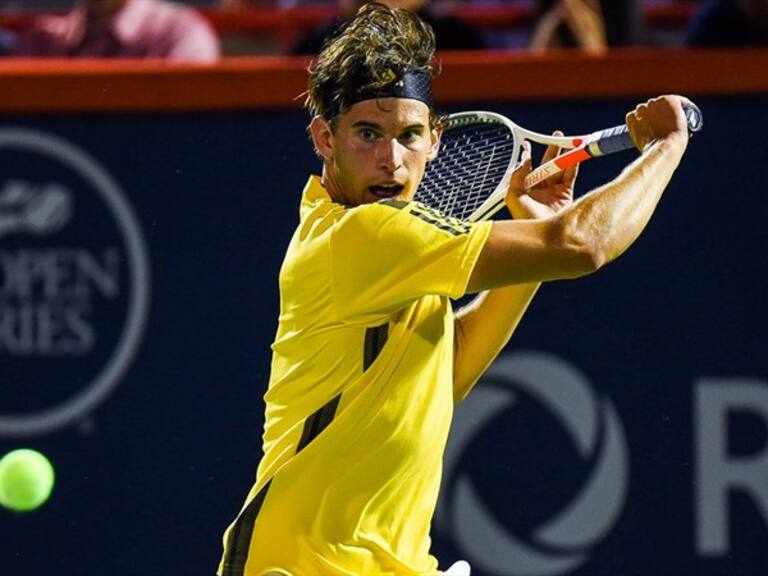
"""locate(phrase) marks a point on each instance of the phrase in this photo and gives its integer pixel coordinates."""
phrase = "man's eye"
(367, 135)
(409, 136)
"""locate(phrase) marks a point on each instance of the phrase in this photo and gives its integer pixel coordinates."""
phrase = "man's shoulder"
(400, 218)
(374, 212)
(429, 215)
(391, 203)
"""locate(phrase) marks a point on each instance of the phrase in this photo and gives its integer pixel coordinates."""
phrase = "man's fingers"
(657, 119)
(551, 151)
(639, 129)
(569, 175)
(526, 153)
(516, 182)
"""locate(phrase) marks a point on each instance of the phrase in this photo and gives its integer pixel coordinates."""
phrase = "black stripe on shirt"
(430, 215)
(239, 539)
(375, 338)
(439, 225)
(438, 219)
(317, 422)
(240, 536)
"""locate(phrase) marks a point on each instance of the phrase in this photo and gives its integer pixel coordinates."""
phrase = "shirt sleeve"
(387, 254)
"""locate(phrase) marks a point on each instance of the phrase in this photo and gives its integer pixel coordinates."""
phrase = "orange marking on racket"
(572, 158)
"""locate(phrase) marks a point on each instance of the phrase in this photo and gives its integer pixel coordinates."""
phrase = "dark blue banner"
(623, 431)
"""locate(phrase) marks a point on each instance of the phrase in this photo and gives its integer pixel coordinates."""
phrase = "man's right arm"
(601, 225)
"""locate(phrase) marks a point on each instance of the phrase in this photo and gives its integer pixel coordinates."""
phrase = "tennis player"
(369, 358)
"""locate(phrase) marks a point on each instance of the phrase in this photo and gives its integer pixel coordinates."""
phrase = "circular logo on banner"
(561, 541)
(74, 282)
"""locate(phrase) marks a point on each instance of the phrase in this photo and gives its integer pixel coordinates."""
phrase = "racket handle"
(617, 139)
(601, 143)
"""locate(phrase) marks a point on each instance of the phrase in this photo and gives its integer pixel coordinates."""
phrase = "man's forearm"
(609, 219)
(596, 229)
(483, 328)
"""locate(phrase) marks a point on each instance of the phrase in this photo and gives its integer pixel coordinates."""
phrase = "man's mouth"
(386, 190)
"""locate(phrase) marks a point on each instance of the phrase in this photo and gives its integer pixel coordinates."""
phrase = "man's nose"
(390, 155)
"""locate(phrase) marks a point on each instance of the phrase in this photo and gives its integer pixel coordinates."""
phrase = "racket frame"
(495, 200)
(578, 149)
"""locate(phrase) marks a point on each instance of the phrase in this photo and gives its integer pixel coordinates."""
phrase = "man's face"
(375, 150)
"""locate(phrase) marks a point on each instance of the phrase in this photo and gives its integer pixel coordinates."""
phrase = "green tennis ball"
(26, 480)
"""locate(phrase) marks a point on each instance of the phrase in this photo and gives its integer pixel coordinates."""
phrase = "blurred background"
(152, 156)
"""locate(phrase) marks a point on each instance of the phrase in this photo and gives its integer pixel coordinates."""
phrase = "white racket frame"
(495, 200)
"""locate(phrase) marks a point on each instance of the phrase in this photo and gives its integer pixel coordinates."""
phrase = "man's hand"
(546, 198)
(657, 119)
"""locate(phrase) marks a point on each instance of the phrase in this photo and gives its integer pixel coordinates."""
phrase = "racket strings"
(471, 165)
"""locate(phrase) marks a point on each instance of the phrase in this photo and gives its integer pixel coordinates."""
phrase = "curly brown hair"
(363, 57)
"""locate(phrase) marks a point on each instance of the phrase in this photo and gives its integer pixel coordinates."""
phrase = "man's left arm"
(484, 327)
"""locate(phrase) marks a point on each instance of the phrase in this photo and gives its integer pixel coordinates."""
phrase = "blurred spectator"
(624, 22)
(592, 25)
(450, 32)
(35, 5)
(7, 41)
(729, 23)
(122, 29)
(240, 4)
(570, 23)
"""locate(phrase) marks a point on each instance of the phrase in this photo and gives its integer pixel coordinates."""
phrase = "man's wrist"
(521, 211)
(674, 142)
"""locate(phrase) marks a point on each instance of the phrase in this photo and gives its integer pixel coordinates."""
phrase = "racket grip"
(617, 139)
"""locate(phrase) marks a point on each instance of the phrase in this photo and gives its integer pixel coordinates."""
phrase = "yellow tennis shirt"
(360, 396)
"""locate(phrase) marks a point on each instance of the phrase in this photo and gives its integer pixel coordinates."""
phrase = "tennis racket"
(479, 151)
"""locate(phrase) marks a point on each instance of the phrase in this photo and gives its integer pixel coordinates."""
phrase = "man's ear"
(322, 137)
(434, 143)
